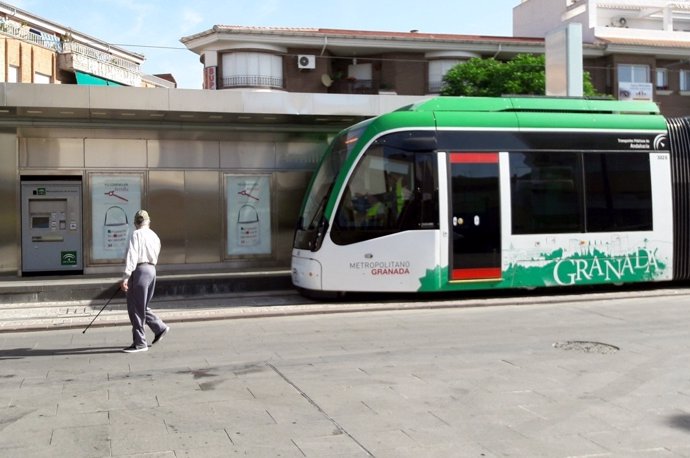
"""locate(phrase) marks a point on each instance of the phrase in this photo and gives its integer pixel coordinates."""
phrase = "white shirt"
(144, 246)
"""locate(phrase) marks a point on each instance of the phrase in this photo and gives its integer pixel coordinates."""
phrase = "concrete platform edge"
(287, 303)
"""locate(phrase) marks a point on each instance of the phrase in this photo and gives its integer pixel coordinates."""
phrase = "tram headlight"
(306, 273)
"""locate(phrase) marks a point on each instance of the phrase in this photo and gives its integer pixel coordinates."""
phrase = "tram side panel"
(435, 260)
(630, 254)
(611, 226)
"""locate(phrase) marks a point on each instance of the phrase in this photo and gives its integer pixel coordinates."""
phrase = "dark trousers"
(139, 293)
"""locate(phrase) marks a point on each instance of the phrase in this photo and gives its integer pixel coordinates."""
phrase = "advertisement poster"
(635, 91)
(114, 201)
(249, 214)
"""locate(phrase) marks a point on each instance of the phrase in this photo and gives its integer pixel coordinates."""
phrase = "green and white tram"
(478, 193)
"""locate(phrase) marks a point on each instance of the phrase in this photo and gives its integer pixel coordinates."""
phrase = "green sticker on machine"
(68, 258)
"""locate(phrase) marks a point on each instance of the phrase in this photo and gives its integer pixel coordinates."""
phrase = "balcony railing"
(257, 81)
(354, 86)
(47, 40)
(77, 57)
(435, 87)
(100, 56)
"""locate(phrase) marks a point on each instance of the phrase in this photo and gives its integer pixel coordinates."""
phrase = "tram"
(457, 193)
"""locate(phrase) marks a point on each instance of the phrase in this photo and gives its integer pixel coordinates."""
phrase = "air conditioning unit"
(306, 61)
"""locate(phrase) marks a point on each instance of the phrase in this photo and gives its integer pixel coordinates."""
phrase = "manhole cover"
(586, 347)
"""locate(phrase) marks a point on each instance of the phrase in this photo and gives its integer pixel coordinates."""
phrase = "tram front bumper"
(306, 273)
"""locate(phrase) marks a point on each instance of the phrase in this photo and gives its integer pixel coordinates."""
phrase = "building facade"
(36, 50)
(633, 48)
(331, 61)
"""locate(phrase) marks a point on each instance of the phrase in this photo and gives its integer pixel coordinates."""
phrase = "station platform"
(54, 302)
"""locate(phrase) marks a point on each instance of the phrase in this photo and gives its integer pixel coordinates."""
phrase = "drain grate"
(586, 346)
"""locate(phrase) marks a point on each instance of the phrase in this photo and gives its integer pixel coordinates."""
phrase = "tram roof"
(528, 113)
(533, 104)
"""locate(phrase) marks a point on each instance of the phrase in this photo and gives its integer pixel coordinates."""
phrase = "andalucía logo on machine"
(68, 258)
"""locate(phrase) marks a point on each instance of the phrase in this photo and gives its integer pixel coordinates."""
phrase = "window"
(618, 192)
(390, 190)
(12, 74)
(545, 190)
(437, 70)
(661, 78)
(685, 80)
(580, 192)
(252, 69)
(40, 78)
(360, 76)
(629, 73)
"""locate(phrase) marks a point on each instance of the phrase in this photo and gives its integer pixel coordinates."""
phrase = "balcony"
(77, 57)
(354, 86)
(435, 87)
(252, 81)
(37, 37)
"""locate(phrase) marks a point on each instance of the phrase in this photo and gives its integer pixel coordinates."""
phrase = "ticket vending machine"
(51, 226)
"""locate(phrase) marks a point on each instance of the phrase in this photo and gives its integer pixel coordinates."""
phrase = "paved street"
(603, 377)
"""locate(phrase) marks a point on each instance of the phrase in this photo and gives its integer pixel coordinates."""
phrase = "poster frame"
(93, 235)
(264, 248)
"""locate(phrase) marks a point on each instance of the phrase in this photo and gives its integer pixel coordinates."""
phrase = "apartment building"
(340, 61)
(37, 50)
(633, 48)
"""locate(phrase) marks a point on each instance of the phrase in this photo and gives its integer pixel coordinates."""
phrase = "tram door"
(475, 217)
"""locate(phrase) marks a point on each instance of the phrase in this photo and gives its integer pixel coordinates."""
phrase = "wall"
(9, 210)
(305, 80)
(29, 58)
(535, 18)
(674, 104)
(183, 176)
(407, 72)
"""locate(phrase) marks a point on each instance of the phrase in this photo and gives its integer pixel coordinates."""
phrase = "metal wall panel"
(114, 153)
(302, 155)
(202, 216)
(51, 152)
(289, 189)
(166, 208)
(183, 154)
(9, 209)
(247, 155)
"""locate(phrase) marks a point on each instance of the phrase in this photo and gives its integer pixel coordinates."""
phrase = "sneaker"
(160, 335)
(134, 349)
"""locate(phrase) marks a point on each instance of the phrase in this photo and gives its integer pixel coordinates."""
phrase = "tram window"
(545, 191)
(390, 190)
(618, 192)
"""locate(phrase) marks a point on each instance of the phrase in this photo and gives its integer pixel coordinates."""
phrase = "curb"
(281, 303)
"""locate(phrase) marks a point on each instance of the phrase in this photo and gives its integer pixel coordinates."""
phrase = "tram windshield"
(323, 182)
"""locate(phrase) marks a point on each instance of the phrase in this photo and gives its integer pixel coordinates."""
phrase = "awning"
(89, 79)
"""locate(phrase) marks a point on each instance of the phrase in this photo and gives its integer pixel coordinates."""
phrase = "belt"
(145, 264)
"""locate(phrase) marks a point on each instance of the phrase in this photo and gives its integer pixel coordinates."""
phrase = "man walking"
(139, 282)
